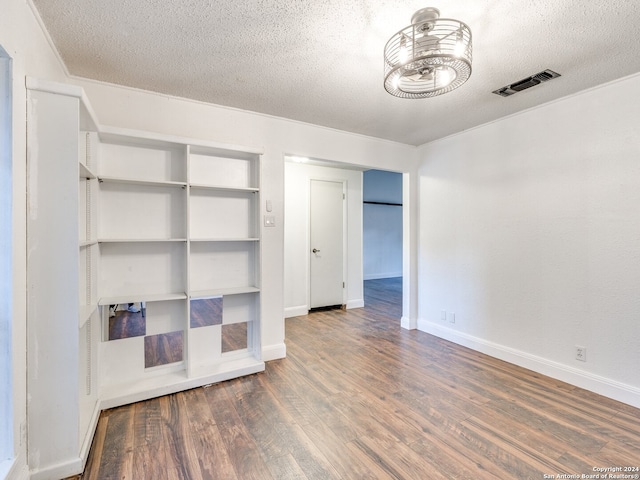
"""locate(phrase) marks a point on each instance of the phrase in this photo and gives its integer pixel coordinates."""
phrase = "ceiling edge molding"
(77, 79)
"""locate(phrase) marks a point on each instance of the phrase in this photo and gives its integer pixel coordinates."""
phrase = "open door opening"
(299, 246)
(382, 238)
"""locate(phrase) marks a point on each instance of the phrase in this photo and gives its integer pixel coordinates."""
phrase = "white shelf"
(252, 239)
(133, 181)
(217, 292)
(245, 362)
(144, 297)
(85, 172)
(87, 243)
(116, 135)
(140, 240)
(223, 188)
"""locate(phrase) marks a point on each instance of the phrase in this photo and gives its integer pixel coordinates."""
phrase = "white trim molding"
(274, 352)
(359, 303)
(408, 323)
(296, 311)
(595, 383)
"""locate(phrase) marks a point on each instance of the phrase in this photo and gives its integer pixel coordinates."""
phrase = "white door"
(326, 252)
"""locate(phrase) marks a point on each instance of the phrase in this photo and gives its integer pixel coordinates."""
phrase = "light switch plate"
(269, 221)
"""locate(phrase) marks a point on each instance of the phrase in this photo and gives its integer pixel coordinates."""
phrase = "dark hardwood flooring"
(358, 397)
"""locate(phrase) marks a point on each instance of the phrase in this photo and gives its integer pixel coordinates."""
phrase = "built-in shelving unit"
(164, 232)
(178, 223)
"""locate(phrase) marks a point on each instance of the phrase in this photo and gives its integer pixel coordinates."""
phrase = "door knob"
(315, 250)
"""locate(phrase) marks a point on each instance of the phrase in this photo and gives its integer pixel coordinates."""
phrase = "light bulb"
(444, 77)
(404, 54)
(405, 49)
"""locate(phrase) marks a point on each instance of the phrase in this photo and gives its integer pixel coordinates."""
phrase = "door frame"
(10, 414)
(345, 223)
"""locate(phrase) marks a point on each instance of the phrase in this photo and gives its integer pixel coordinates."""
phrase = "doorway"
(326, 256)
(297, 242)
(382, 224)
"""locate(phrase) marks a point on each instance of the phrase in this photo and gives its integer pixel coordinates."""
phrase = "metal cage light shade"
(428, 58)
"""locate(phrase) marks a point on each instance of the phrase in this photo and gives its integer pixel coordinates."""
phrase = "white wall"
(530, 234)
(298, 178)
(382, 224)
(24, 41)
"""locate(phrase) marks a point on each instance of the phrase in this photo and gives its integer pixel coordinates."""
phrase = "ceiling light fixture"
(428, 58)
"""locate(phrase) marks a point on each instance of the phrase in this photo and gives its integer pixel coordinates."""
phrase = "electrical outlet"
(581, 353)
(452, 317)
(443, 315)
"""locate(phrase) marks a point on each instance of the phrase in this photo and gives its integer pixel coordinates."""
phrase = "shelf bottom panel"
(215, 292)
(173, 382)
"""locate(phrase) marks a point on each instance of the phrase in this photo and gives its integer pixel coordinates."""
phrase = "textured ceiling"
(321, 62)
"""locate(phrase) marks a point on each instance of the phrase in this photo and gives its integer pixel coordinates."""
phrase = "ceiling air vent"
(525, 83)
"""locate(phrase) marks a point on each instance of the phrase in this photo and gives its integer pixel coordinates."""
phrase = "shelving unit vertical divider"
(256, 339)
(90, 321)
(91, 155)
(89, 219)
(187, 329)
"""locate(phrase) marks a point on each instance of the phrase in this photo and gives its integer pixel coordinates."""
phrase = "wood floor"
(358, 397)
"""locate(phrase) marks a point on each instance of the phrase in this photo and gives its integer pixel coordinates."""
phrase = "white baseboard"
(589, 381)
(408, 323)
(355, 303)
(61, 470)
(274, 352)
(91, 431)
(296, 311)
(70, 467)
